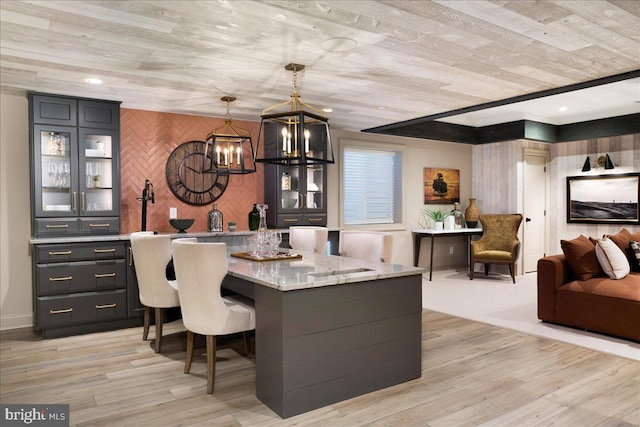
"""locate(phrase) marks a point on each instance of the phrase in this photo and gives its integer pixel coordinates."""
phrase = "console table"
(420, 233)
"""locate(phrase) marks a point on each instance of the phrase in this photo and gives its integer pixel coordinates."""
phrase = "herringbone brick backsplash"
(147, 140)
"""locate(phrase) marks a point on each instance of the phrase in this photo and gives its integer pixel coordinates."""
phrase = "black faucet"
(147, 194)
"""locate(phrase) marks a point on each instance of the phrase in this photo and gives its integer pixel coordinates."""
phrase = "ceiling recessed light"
(562, 109)
(339, 44)
(328, 110)
(94, 81)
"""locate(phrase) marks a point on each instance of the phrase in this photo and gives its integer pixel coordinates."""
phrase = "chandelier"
(295, 133)
(229, 149)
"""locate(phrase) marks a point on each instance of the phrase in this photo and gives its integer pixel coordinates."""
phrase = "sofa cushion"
(613, 261)
(622, 238)
(581, 256)
(627, 288)
(634, 255)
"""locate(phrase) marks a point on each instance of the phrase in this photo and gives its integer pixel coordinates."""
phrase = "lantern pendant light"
(295, 133)
(229, 149)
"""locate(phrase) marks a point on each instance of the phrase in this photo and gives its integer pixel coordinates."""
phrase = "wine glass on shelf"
(51, 170)
(67, 172)
(89, 173)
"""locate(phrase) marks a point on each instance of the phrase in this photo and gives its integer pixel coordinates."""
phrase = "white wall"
(419, 153)
(15, 226)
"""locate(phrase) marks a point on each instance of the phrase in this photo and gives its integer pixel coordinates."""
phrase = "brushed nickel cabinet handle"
(82, 194)
(60, 279)
(103, 251)
(74, 202)
(59, 253)
(315, 219)
(290, 220)
(57, 226)
(106, 306)
(99, 276)
(98, 225)
(65, 310)
(130, 256)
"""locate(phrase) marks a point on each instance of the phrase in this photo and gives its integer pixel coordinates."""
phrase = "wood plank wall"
(497, 178)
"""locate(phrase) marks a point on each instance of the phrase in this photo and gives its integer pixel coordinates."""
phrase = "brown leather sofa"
(598, 304)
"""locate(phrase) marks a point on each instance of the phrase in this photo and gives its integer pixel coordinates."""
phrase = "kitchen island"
(330, 328)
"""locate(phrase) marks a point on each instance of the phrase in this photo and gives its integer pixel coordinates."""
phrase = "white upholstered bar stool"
(200, 269)
(151, 254)
(308, 239)
(373, 246)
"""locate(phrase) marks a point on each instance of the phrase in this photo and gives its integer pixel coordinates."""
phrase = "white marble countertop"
(313, 270)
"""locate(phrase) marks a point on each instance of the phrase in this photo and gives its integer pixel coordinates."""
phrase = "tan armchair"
(499, 243)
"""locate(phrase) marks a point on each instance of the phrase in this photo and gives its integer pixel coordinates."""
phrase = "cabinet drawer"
(285, 221)
(81, 308)
(83, 276)
(318, 220)
(57, 227)
(99, 225)
(66, 252)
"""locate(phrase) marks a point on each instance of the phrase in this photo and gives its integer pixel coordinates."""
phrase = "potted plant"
(437, 216)
(232, 225)
(96, 180)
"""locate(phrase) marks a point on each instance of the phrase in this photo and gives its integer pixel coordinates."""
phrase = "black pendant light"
(295, 133)
(229, 149)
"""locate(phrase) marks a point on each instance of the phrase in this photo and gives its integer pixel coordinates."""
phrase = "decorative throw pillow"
(612, 260)
(581, 257)
(622, 238)
(634, 249)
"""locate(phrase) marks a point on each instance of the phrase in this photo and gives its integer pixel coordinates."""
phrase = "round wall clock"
(186, 179)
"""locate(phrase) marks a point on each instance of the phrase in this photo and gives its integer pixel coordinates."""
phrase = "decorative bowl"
(289, 203)
(181, 224)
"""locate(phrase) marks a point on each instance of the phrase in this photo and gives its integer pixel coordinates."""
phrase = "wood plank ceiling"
(410, 58)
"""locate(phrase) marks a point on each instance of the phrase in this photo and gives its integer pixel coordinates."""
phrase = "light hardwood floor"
(473, 374)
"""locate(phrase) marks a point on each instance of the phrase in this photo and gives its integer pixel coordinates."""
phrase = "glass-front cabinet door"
(77, 176)
(98, 172)
(56, 171)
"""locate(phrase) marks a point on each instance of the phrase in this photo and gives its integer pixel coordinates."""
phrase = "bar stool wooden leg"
(147, 315)
(158, 328)
(187, 363)
(247, 343)
(211, 362)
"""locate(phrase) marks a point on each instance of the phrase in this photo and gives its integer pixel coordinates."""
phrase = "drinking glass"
(52, 174)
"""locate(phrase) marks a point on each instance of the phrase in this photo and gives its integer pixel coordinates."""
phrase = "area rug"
(495, 300)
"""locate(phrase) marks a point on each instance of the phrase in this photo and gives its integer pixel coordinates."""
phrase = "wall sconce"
(602, 161)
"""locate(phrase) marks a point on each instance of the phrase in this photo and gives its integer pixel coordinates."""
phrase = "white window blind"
(371, 186)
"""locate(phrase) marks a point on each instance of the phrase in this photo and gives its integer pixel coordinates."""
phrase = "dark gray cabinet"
(75, 165)
(80, 287)
(296, 195)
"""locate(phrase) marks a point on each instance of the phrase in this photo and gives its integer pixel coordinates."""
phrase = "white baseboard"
(15, 321)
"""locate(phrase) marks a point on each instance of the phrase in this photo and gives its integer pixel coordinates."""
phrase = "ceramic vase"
(449, 222)
(471, 214)
(438, 225)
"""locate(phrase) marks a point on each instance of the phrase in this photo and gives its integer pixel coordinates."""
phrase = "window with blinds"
(372, 186)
